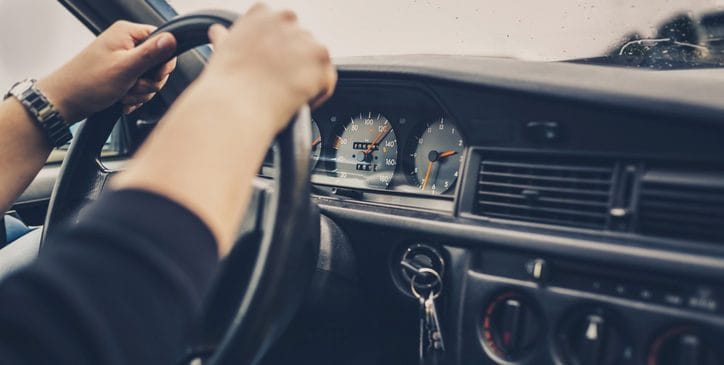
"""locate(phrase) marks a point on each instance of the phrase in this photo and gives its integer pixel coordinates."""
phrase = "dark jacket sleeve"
(119, 287)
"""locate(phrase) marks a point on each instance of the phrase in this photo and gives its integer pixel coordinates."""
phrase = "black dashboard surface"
(652, 122)
(607, 175)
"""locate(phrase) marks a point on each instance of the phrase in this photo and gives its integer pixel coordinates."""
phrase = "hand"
(270, 53)
(265, 67)
(111, 69)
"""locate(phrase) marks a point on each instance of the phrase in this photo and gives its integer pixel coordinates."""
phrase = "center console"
(520, 308)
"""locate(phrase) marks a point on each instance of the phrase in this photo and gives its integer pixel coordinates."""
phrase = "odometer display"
(367, 151)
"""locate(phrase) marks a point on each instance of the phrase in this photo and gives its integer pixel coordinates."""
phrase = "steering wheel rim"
(285, 229)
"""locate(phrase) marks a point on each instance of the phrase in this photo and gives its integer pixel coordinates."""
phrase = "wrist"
(59, 97)
(252, 105)
(271, 101)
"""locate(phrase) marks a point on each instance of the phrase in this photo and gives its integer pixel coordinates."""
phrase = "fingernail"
(164, 41)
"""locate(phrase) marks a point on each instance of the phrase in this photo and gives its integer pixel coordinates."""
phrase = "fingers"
(258, 8)
(142, 92)
(149, 54)
(329, 81)
(128, 109)
(217, 34)
(137, 32)
(137, 99)
(328, 78)
(160, 73)
(146, 86)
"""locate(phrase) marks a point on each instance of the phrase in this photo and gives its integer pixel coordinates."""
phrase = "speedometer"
(367, 151)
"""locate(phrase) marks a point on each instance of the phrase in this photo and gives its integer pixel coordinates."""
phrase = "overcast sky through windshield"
(532, 29)
(37, 36)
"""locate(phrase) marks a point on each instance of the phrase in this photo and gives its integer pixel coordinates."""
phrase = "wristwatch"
(46, 116)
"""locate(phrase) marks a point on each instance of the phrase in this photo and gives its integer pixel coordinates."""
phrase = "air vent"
(682, 205)
(562, 191)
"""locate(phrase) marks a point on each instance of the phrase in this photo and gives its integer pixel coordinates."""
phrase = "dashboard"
(575, 217)
(583, 225)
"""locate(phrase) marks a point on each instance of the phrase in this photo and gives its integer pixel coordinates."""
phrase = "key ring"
(432, 272)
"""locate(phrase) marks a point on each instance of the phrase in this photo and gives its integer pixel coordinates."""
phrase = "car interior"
(453, 209)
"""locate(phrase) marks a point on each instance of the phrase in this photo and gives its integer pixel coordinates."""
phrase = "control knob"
(593, 337)
(511, 326)
(682, 346)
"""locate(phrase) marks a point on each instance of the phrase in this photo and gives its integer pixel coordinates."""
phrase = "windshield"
(665, 33)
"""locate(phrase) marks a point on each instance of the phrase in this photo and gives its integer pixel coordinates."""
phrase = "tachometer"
(367, 151)
(436, 159)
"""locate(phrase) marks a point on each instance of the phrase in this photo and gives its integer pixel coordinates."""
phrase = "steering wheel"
(261, 283)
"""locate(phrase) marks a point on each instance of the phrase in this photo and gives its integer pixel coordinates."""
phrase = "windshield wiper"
(680, 43)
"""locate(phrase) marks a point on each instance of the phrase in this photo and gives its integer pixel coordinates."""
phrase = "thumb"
(217, 34)
(152, 52)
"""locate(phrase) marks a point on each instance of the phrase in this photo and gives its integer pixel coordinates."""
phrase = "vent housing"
(568, 191)
(677, 204)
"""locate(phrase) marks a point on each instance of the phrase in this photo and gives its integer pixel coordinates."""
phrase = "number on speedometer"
(367, 151)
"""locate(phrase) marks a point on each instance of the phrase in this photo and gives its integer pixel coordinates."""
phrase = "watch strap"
(46, 116)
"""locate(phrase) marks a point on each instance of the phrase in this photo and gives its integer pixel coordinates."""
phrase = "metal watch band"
(47, 118)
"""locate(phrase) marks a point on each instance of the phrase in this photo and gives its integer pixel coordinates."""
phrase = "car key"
(431, 345)
(434, 331)
(422, 341)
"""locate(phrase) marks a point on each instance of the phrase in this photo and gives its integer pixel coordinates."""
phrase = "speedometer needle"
(434, 156)
(378, 139)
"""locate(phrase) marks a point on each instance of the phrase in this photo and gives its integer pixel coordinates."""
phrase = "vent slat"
(546, 188)
(562, 180)
(562, 191)
(583, 203)
(571, 212)
(536, 166)
(678, 210)
(552, 220)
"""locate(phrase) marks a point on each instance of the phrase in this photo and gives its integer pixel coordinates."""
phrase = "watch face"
(21, 87)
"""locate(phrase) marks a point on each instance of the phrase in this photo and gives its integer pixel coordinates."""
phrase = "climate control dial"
(593, 336)
(511, 327)
(682, 345)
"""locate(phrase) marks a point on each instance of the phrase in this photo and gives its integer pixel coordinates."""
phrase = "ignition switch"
(420, 256)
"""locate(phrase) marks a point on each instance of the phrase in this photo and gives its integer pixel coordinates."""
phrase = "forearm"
(119, 287)
(225, 135)
(23, 151)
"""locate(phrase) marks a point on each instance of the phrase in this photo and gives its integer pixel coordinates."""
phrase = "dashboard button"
(537, 269)
(673, 299)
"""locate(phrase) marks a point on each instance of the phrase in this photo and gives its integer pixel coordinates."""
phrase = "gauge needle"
(434, 157)
(378, 139)
(427, 174)
(317, 141)
(446, 154)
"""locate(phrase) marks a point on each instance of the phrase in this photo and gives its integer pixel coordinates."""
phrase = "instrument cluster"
(387, 138)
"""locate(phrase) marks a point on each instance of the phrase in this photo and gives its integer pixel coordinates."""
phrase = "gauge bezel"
(408, 159)
(345, 130)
